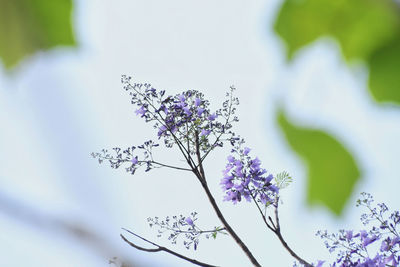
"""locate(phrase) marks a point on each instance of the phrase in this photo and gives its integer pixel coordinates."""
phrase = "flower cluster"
(244, 178)
(184, 226)
(353, 248)
(185, 118)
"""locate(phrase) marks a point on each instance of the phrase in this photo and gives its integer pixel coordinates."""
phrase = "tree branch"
(229, 229)
(200, 165)
(170, 166)
(285, 245)
(262, 215)
(161, 248)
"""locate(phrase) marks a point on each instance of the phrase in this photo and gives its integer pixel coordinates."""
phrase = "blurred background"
(319, 86)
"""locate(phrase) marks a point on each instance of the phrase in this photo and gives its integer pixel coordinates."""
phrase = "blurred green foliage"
(332, 172)
(384, 77)
(366, 30)
(28, 26)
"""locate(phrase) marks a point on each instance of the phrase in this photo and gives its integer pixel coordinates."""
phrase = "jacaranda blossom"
(243, 177)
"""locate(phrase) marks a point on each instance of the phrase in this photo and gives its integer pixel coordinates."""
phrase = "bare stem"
(170, 166)
(285, 245)
(161, 248)
(276, 229)
(229, 229)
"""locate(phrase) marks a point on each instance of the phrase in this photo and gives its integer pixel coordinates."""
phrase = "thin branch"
(161, 248)
(272, 228)
(182, 148)
(278, 226)
(276, 229)
(170, 166)
(199, 157)
(285, 245)
(211, 147)
(145, 161)
(190, 232)
(272, 222)
(229, 229)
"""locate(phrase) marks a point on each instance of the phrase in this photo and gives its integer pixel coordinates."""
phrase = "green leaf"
(360, 26)
(283, 179)
(384, 78)
(332, 171)
(214, 235)
(28, 26)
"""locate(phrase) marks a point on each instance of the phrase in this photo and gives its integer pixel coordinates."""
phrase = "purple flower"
(180, 105)
(187, 111)
(134, 161)
(162, 108)
(233, 196)
(264, 198)
(369, 240)
(197, 101)
(256, 184)
(152, 90)
(395, 241)
(200, 111)
(384, 246)
(162, 130)
(268, 179)
(226, 182)
(239, 187)
(238, 171)
(231, 159)
(247, 196)
(189, 221)
(205, 132)
(227, 169)
(174, 129)
(363, 234)
(349, 235)
(141, 111)
(246, 151)
(255, 164)
(182, 98)
(391, 259)
(212, 117)
(273, 188)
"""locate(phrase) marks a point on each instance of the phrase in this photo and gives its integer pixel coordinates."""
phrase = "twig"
(161, 248)
(276, 229)
(279, 235)
(229, 229)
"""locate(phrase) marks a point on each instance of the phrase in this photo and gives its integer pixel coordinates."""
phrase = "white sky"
(57, 107)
